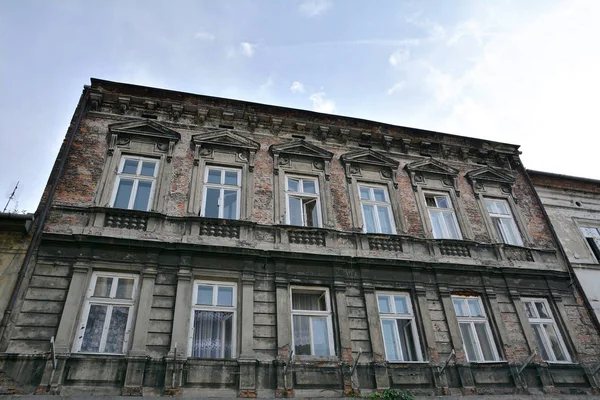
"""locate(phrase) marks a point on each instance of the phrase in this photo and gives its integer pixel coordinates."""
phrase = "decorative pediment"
(496, 176)
(353, 161)
(225, 138)
(122, 132)
(429, 166)
(284, 151)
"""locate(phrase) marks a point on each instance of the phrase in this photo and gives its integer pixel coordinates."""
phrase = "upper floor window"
(550, 343)
(442, 216)
(311, 322)
(503, 221)
(221, 193)
(592, 237)
(474, 329)
(400, 337)
(303, 203)
(376, 210)
(107, 314)
(135, 183)
(213, 332)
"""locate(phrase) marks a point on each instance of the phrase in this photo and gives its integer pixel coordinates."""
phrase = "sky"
(525, 72)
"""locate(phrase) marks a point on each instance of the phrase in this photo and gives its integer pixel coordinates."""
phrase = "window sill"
(408, 362)
(316, 358)
(97, 355)
(561, 363)
(488, 362)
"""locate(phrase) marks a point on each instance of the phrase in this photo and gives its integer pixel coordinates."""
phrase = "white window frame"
(214, 308)
(546, 321)
(588, 233)
(110, 302)
(222, 187)
(136, 179)
(471, 321)
(512, 223)
(303, 196)
(314, 313)
(376, 204)
(451, 210)
(393, 316)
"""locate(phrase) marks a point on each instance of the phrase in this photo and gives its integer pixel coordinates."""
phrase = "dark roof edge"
(97, 82)
(562, 176)
(15, 216)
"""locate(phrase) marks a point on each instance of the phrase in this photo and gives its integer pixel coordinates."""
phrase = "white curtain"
(212, 334)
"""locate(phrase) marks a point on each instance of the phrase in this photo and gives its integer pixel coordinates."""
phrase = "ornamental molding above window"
(121, 133)
(283, 154)
(495, 176)
(205, 142)
(354, 160)
(429, 166)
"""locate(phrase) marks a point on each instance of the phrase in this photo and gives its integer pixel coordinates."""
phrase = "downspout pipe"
(45, 209)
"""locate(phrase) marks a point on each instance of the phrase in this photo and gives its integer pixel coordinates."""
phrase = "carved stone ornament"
(95, 101)
(430, 166)
(494, 176)
(405, 145)
(276, 125)
(371, 158)
(121, 133)
(303, 150)
(387, 143)
(202, 114)
(227, 139)
(176, 109)
(252, 123)
(123, 104)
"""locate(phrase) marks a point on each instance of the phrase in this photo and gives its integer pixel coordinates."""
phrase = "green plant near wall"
(391, 394)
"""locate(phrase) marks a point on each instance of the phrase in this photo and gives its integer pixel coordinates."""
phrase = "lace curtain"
(212, 334)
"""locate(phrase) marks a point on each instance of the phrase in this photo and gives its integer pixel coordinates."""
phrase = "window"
(400, 337)
(221, 193)
(550, 343)
(213, 320)
(592, 237)
(302, 197)
(134, 186)
(474, 329)
(311, 322)
(441, 214)
(376, 210)
(108, 310)
(503, 221)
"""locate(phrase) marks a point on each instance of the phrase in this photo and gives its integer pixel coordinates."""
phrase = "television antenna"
(11, 197)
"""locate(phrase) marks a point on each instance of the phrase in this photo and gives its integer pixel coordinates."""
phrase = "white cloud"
(267, 84)
(321, 104)
(396, 88)
(247, 49)
(399, 57)
(205, 36)
(297, 87)
(314, 8)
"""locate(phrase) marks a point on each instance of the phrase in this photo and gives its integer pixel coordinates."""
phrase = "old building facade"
(197, 245)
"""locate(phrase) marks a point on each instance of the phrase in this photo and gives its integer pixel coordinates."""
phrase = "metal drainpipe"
(63, 155)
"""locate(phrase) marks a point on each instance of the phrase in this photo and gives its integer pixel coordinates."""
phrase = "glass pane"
(384, 304)
(451, 225)
(442, 202)
(502, 207)
(142, 196)
(310, 210)
(530, 309)
(379, 195)
(474, 308)
(309, 301)
(301, 335)
(320, 336)
(364, 193)
(231, 178)
(407, 341)
(542, 310)
(130, 166)
(205, 295)
(369, 218)
(510, 233)
(485, 342)
(295, 211)
(491, 206)
(225, 296)
(148, 168)
(309, 186)
(214, 176)
(384, 219)
(230, 204)
(430, 201)
(116, 330)
(401, 304)
(554, 342)
(93, 328)
(213, 333)
(103, 286)
(211, 203)
(460, 308)
(537, 330)
(293, 184)
(390, 340)
(123, 193)
(124, 288)
(436, 224)
(469, 342)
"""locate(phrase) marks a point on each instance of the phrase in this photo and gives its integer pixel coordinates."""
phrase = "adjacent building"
(197, 245)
